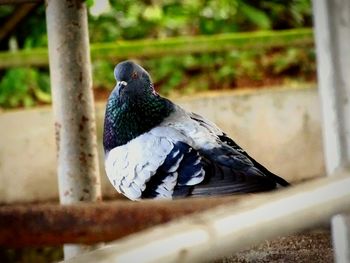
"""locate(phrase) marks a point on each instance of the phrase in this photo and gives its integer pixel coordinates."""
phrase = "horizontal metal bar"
(115, 51)
(53, 224)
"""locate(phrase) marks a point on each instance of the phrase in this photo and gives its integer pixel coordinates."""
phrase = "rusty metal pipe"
(88, 223)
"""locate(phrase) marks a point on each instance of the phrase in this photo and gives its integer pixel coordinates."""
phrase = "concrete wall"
(280, 128)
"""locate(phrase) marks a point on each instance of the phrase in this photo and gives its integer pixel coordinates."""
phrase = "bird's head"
(133, 81)
(133, 106)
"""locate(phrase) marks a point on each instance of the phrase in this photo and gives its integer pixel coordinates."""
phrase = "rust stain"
(78, 4)
(58, 127)
(80, 97)
(83, 123)
(82, 158)
(70, 3)
(84, 118)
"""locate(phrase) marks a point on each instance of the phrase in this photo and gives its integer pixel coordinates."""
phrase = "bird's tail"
(278, 180)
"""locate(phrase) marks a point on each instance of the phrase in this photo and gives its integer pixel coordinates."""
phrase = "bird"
(155, 149)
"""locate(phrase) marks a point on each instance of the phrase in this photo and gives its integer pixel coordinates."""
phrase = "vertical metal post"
(332, 28)
(70, 70)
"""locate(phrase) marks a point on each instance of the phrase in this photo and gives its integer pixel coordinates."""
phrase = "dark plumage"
(156, 149)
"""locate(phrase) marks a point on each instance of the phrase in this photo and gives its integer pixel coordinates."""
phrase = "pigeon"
(156, 149)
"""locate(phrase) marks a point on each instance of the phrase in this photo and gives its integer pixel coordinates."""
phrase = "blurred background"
(27, 84)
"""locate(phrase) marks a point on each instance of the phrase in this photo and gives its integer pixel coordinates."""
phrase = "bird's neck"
(125, 121)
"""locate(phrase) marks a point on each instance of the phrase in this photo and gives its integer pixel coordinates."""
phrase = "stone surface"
(315, 246)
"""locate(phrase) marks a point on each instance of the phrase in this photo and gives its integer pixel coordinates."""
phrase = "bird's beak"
(121, 85)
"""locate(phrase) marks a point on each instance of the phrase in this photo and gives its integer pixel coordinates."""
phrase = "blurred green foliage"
(187, 74)
(130, 19)
(191, 73)
(24, 87)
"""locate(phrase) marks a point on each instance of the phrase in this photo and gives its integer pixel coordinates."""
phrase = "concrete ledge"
(278, 127)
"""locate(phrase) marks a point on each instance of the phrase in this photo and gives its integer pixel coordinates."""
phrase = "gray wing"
(229, 169)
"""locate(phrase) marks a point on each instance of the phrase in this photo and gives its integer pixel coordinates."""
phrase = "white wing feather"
(129, 167)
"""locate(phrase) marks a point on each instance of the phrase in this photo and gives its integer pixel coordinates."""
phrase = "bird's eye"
(134, 75)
